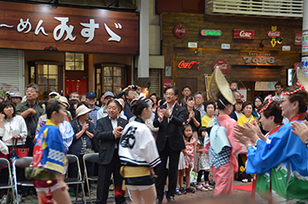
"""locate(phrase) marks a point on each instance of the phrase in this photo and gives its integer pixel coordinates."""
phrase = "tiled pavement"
(239, 197)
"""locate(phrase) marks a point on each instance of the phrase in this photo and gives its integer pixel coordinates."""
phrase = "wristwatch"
(306, 143)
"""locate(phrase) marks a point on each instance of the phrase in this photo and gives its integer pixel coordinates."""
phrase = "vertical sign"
(305, 43)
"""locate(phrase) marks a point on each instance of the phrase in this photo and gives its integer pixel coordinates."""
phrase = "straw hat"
(63, 99)
(219, 83)
(81, 110)
(302, 78)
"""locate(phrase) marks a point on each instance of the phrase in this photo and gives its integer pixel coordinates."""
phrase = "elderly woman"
(82, 141)
(247, 116)
(271, 120)
(285, 155)
(139, 156)
(208, 118)
(108, 133)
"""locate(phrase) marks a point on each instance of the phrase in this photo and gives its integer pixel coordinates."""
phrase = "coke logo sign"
(246, 34)
(180, 31)
(188, 65)
(273, 34)
(221, 64)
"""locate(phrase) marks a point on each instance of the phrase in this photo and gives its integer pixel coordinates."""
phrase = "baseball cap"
(90, 95)
(53, 93)
(108, 93)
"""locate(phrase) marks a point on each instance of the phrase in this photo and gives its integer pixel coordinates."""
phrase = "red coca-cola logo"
(247, 34)
(221, 64)
(180, 31)
(298, 37)
(188, 65)
(273, 34)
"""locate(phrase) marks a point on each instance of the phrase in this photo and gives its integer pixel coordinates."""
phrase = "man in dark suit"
(108, 132)
(169, 118)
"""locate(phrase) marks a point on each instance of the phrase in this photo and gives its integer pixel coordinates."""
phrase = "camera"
(135, 87)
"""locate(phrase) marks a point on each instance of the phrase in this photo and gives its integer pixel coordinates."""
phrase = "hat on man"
(53, 93)
(63, 99)
(81, 110)
(218, 84)
(16, 95)
(108, 93)
(91, 95)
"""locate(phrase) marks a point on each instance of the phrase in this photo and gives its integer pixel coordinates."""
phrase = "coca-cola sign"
(188, 65)
(245, 34)
(221, 64)
(180, 31)
(298, 38)
(273, 34)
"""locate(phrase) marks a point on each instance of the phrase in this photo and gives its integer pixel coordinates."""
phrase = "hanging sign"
(243, 34)
(221, 64)
(298, 38)
(206, 32)
(273, 35)
(179, 31)
(305, 43)
(188, 65)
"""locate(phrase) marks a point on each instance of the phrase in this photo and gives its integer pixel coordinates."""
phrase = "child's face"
(203, 133)
(188, 132)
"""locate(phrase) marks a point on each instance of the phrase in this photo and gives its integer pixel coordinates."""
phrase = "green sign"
(206, 32)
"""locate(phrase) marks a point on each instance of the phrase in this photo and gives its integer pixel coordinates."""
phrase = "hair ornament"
(270, 100)
(301, 88)
(57, 98)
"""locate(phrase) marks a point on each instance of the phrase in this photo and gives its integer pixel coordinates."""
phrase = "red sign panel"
(221, 64)
(168, 82)
(180, 31)
(188, 65)
(38, 27)
(298, 38)
(273, 34)
(245, 34)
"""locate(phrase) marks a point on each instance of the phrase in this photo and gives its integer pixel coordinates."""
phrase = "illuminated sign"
(188, 65)
(205, 32)
(243, 34)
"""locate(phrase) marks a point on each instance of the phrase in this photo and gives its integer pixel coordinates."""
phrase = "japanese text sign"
(38, 27)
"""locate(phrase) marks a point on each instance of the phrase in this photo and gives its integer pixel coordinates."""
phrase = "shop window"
(74, 61)
(109, 78)
(47, 76)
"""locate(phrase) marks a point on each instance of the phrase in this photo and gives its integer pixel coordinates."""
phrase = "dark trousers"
(206, 175)
(104, 175)
(29, 144)
(162, 172)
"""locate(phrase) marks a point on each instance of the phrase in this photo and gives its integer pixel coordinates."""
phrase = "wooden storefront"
(248, 61)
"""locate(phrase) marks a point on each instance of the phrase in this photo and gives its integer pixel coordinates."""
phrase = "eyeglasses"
(30, 91)
(169, 94)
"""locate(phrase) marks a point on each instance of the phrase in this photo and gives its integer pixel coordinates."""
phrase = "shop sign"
(167, 82)
(206, 32)
(180, 31)
(40, 27)
(188, 65)
(221, 64)
(273, 35)
(305, 65)
(305, 43)
(243, 34)
(298, 38)
(259, 58)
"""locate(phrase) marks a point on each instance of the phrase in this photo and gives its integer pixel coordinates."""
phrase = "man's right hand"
(160, 114)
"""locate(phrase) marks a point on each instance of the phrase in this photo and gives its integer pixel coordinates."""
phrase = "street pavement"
(199, 197)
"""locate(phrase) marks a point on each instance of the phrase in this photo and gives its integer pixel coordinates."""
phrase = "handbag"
(16, 153)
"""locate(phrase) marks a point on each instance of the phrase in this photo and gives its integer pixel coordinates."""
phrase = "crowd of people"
(149, 142)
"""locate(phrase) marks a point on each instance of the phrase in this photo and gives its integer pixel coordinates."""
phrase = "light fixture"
(279, 41)
(197, 52)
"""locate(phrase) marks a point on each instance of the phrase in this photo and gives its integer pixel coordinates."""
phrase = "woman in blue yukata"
(284, 154)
